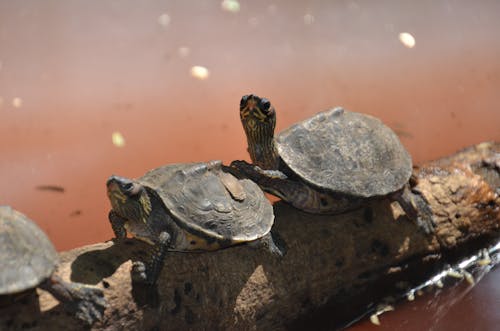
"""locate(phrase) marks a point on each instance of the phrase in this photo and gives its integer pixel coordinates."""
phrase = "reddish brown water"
(82, 71)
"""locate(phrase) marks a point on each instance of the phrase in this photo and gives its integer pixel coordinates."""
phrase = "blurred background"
(94, 88)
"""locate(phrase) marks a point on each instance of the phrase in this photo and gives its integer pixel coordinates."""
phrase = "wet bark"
(328, 259)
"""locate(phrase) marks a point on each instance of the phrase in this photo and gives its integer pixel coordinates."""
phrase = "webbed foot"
(86, 302)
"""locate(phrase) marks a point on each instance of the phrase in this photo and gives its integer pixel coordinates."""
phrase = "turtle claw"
(89, 306)
(85, 302)
(138, 273)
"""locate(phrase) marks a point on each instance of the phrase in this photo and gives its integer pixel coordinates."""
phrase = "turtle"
(332, 162)
(28, 260)
(189, 207)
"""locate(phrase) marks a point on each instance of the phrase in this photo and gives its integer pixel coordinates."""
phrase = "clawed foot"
(139, 273)
(87, 303)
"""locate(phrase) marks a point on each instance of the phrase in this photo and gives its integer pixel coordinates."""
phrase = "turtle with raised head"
(188, 207)
(28, 260)
(329, 163)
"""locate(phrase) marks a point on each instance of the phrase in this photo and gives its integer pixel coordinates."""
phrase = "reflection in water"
(441, 291)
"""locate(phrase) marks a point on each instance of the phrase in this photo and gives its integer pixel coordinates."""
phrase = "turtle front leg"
(148, 273)
(272, 243)
(86, 302)
(416, 208)
(295, 192)
(117, 224)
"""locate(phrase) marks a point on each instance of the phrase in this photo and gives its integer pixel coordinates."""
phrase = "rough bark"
(248, 289)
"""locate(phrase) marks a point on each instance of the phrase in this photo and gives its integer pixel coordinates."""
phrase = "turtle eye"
(128, 187)
(265, 105)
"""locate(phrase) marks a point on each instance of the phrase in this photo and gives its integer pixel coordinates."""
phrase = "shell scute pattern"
(198, 200)
(346, 152)
(28, 257)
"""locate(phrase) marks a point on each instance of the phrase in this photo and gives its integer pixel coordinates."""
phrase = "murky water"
(92, 89)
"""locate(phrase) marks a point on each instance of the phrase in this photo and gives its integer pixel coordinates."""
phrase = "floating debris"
(470, 269)
(374, 319)
(382, 308)
(184, 51)
(308, 19)
(52, 188)
(199, 72)
(75, 213)
(164, 20)
(17, 102)
(232, 6)
(454, 274)
(485, 258)
(468, 277)
(1, 102)
(118, 139)
(407, 39)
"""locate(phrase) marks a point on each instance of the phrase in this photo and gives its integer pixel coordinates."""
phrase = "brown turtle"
(330, 163)
(189, 207)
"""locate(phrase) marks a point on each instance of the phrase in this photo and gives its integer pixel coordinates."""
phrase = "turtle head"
(258, 117)
(128, 198)
(255, 111)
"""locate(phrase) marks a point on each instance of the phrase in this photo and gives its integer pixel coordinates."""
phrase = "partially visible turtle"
(329, 163)
(188, 207)
(28, 260)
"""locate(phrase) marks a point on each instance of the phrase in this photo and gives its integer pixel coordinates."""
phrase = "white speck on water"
(118, 139)
(199, 72)
(164, 20)
(17, 102)
(184, 51)
(1, 102)
(253, 21)
(308, 19)
(407, 39)
(232, 6)
(272, 9)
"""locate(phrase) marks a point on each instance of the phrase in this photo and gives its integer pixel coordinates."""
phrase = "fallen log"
(331, 260)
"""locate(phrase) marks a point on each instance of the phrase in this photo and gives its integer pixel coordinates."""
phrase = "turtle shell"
(347, 153)
(27, 256)
(203, 198)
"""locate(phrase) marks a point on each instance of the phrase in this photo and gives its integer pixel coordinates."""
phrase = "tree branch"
(329, 257)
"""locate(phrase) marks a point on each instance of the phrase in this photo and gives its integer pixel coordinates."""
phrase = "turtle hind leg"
(417, 209)
(272, 243)
(86, 302)
(148, 273)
